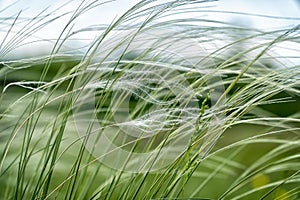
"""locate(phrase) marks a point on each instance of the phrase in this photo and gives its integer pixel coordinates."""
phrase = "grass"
(153, 108)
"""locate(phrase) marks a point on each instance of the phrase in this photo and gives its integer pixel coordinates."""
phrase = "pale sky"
(104, 14)
(107, 12)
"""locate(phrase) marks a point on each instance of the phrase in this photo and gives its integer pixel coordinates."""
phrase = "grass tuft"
(158, 105)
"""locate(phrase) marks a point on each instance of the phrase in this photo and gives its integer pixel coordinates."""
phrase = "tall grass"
(159, 105)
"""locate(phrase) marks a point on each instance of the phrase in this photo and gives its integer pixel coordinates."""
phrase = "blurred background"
(281, 14)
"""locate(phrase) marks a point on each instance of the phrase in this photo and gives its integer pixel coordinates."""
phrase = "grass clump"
(158, 106)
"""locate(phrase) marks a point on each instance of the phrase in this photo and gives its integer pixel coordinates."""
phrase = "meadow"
(161, 104)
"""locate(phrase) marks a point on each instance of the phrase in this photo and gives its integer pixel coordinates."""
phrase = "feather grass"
(152, 108)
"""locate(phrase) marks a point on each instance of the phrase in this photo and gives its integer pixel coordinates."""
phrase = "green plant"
(155, 108)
